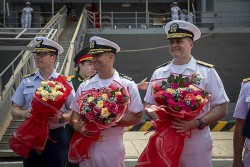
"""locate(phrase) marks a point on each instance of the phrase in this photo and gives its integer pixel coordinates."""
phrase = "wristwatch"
(62, 119)
(202, 125)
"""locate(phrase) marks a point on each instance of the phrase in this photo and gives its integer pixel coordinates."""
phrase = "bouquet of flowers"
(34, 131)
(99, 109)
(177, 97)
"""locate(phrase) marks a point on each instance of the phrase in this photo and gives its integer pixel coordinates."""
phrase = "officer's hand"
(183, 126)
(143, 85)
(54, 119)
(25, 113)
(78, 126)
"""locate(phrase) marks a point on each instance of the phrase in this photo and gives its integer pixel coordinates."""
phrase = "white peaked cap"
(43, 44)
(100, 45)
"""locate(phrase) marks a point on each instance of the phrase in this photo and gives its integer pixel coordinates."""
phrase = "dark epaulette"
(205, 64)
(69, 78)
(125, 76)
(89, 77)
(246, 80)
(162, 65)
(29, 75)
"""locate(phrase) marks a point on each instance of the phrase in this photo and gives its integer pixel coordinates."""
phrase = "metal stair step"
(10, 130)
(6, 138)
(4, 146)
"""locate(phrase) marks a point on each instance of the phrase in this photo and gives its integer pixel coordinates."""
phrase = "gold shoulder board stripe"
(88, 78)
(162, 65)
(69, 78)
(205, 64)
(246, 79)
(125, 76)
(28, 75)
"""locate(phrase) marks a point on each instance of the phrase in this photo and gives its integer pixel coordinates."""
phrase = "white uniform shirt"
(134, 106)
(197, 149)
(243, 105)
(183, 16)
(175, 12)
(25, 92)
(190, 17)
(210, 81)
(27, 11)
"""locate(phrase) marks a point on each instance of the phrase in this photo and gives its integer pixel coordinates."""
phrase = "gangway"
(69, 35)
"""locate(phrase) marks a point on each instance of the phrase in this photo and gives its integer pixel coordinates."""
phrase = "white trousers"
(27, 21)
(175, 17)
(197, 150)
(109, 153)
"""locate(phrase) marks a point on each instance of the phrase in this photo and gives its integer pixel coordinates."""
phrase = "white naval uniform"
(25, 92)
(183, 16)
(190, 17)
(175, 12)
(109, 152)
(197, 149)
(241, 111)
(27, 17)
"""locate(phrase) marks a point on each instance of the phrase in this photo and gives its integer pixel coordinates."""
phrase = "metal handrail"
(25, 64)
(75, 45)
(152, 20)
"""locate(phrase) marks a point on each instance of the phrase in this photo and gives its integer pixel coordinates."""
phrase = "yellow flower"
(169, 90)
(118, 93)
(90, 99)
(43, 83)
(43, 93)
(39, 89)
(192, 87)
(105, 113)
(44, 98)
(99, 104)
(198, 97)
(181, 89)
(105, 96)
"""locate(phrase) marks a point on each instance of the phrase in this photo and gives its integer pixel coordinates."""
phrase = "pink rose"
(171, 103)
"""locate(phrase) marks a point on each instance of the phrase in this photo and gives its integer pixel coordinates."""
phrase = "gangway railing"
(217, 19)
(24, 64)
(76, 44)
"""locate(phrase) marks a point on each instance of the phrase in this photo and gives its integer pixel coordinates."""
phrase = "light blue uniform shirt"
(25, 91)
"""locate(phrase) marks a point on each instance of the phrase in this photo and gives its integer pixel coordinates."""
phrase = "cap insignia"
(38, 42)
(174, 27)
(92, 44)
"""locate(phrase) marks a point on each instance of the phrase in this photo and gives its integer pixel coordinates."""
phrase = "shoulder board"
(88, 78)
(125, 76)
(70, 77)
(246, 80)
(29, 75)
(162, 65)
(205, 64)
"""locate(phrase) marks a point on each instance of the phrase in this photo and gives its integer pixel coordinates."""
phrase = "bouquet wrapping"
(33, 133)
(99, 109)
(177, 98)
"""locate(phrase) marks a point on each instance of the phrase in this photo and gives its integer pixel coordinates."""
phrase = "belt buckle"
(99, 139)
